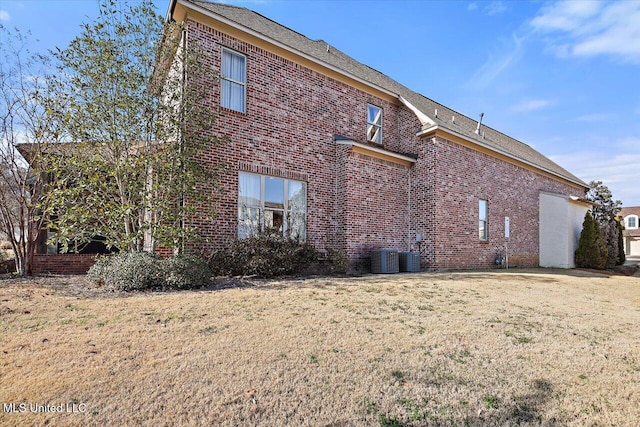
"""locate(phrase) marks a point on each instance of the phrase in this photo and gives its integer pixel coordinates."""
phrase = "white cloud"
(495, 8)
(497, 63)
(566, 15)
(489, 8)
(531, 105)
(592, 28)
(618, 171)
(4, 15)
(594, 118)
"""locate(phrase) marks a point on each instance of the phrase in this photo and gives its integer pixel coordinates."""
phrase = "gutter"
(168, 17)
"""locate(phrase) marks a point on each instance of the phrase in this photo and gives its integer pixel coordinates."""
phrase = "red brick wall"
(63, 263)
(292, 116)
(377, 207)
(464, 176)
(355, 202)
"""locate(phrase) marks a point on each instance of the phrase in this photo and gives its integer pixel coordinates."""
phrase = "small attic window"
(374, 124)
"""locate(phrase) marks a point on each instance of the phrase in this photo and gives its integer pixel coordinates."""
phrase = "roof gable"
(631, 210)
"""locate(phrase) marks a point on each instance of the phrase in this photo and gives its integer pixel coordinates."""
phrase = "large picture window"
(271, 204)
(233, 81)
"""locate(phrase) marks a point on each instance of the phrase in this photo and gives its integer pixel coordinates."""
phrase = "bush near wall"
(142, 270)
(264, 255)
(270, 255)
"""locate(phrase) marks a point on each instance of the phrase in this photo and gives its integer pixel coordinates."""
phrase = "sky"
(560, 76)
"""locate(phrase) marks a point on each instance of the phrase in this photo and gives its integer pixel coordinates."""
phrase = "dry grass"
(528, 347)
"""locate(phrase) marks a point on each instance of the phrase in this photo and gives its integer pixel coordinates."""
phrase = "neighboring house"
(50, 258)
(330, 150)
(631, 233)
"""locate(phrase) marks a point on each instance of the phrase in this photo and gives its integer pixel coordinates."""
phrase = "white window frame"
(287, 212)
(483, 220)
(242, 83)
(375, 125)
(626, 222)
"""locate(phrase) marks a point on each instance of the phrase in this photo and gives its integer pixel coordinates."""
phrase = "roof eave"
(392, 156)
(424, 132)
(281, 45)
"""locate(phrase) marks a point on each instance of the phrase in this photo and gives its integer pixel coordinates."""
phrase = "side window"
(482, 220)
(632, 222)
(233, 88)
(374, 124)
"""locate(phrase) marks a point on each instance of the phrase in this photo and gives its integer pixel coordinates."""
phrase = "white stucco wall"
(561, 220)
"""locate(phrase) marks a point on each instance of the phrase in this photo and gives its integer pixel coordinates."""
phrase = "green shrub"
(143, 270)
(128, 271)
(186, 272)
(264, 255)
(592, 250)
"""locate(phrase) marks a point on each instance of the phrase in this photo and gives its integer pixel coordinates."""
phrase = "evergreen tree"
(592, 250)
(605, 213)
(621, 256)
(610, 236)
(605, 209)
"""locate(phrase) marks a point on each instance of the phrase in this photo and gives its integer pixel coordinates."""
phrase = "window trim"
(287, 209)
(376, 125)
(626, 222)
(483, 220)
(243, 84)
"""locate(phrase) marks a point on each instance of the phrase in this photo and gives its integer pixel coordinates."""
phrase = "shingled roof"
(317, 49)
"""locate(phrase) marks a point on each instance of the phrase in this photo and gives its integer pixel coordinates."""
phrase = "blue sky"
(563, 77)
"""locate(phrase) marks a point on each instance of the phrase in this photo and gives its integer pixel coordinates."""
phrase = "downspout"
(182, 132)
(410, 232)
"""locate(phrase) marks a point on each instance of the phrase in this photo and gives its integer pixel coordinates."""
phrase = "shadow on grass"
(530, 407)
(522, 410)
(526, 409)
(529, 275)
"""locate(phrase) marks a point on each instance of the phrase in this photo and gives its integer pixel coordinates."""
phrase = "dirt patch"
(523, 347)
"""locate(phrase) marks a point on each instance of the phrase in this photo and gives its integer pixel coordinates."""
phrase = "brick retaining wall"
(63, 263)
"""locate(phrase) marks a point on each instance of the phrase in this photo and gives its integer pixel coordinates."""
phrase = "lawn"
(524, 347)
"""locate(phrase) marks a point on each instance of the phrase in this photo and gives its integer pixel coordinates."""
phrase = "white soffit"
(424, 119)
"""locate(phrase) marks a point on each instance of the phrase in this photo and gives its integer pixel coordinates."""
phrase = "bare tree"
(24, 122)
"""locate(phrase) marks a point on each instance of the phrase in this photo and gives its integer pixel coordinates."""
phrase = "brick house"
(328, 149)
(631, 233)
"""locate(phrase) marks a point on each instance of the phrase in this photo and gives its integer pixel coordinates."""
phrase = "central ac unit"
(384, 261)
(409, 261)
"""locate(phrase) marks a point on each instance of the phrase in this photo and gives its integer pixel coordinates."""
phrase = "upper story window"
(233, 91)
(482, 220)
(374, 124)
(631, 222)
